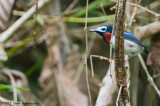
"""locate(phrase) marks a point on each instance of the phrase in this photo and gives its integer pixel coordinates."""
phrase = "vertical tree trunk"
(119, 50)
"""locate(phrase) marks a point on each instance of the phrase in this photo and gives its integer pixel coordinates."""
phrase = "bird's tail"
(145, 50)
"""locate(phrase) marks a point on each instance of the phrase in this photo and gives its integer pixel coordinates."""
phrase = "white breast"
(130, 47)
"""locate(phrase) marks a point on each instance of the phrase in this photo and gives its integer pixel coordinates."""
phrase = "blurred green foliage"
(2, 86)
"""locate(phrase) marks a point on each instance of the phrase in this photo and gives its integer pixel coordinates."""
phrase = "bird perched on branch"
(132, 45)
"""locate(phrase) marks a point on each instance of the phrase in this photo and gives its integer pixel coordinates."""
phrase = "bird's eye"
(103, 29)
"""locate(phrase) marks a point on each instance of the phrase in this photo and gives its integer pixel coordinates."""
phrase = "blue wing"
(130, 36)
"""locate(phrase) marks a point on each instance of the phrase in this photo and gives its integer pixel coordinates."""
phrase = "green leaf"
(36, 65)
(2, 86)
(90, 19)
(22, 43)
(93, 5)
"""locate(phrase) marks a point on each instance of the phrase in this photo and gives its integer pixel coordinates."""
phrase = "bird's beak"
(93, 30)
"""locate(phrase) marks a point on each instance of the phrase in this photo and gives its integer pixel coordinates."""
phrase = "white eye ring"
(102, 29)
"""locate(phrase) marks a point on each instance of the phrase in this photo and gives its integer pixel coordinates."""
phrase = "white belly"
(129, 47)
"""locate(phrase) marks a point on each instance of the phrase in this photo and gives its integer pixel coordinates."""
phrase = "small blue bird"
(132, 45)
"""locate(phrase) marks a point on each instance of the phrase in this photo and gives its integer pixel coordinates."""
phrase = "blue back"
(130, 36)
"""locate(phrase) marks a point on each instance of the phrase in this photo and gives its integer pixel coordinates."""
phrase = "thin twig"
(101, 4)
(156, 75)
(150, 79)
(36, 22)
(120, 89)
(152, 12)
(152, 6)
(101, 57)
(80, 67)
(127, 67)
(36, 11)
(110, 45)
(97, 56)
(71, 6)
(91, 62)
(86, 54)
(132, 16)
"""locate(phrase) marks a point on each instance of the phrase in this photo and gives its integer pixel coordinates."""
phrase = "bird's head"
(105, 31)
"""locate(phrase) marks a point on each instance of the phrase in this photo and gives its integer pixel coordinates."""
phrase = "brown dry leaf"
(5, 11)
(71, 93)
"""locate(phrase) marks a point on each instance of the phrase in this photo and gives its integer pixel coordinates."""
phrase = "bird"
(132, 45)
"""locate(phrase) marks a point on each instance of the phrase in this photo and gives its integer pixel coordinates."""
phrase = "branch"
(133, 13)
(119, 51)
(16, 25)
(151, 5)
(150, 79)
(97, 56)
(143, 32)
(105, 96)
(152, 12)
(5, 100)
